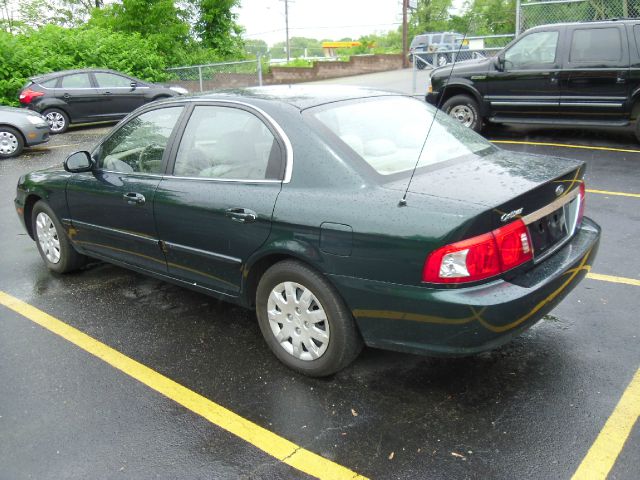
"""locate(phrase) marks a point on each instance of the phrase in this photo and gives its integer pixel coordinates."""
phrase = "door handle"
(242, 215)
(133, 198)
(66, 95)
(107, 93)
(621, 79)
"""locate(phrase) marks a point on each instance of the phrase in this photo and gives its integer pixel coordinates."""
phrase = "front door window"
(532, 51)
(139, 145)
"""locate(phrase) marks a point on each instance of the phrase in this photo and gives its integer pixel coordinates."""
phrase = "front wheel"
(464, 109)
(11, 142)
(53, 244)
(304, 321)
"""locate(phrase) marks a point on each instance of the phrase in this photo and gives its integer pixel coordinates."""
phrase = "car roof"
(299, 96)
(591, 23)
(51, 75)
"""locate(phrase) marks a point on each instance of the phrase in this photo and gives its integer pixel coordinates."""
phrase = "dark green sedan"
(326, 211)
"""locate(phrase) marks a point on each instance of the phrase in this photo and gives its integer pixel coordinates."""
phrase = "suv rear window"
(596, 44)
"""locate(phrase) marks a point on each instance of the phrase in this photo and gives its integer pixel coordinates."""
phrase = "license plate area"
(548, 231)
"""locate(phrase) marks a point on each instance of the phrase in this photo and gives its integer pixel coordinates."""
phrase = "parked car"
(438, 48)
(92, 95)
(19, 129)
(573, 74)
(288, 200)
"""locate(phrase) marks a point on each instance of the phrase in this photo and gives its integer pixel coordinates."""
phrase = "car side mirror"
(498, 62)
(79, 162)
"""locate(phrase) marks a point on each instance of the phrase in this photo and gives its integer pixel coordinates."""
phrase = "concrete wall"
(356, 65)
(321, 70)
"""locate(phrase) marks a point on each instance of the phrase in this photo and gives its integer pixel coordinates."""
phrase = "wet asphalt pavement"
(530, 409)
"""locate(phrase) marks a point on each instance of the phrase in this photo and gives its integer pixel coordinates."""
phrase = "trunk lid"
(507, 186)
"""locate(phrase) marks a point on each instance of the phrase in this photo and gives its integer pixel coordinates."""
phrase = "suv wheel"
(464, 109)
(58, 120)
(11, 142)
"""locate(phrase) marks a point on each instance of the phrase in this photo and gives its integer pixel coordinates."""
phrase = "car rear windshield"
(389, 132)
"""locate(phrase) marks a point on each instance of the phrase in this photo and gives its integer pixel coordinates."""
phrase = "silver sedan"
(20, 128)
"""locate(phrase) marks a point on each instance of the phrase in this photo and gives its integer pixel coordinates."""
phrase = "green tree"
(216, 27)
(256, 47)
(430, 16)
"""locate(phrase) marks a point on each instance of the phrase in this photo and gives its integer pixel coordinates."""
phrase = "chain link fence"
(541, 12)
(201, 78)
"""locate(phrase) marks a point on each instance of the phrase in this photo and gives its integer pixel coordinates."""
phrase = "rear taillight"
(28, 95)
(480, 257)
(581, 207)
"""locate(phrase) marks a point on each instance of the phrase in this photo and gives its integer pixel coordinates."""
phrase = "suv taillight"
(28, 95)
(480, 257)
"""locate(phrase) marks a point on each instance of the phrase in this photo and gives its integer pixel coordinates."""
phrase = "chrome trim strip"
(204, 253)
(137, 236)
(552, 207)
(526, 104)
(225, 180)
(590, 104)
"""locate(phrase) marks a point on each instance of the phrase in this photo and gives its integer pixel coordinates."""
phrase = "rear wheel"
(11, 142)
(58, 120)
(464, 109)
(304, 321)
(53, 244)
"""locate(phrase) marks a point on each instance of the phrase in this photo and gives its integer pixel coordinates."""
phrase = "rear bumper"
(464, 321)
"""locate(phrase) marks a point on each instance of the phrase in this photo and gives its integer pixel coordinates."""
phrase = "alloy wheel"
(298, 321)
(56, 121)
(48, 237)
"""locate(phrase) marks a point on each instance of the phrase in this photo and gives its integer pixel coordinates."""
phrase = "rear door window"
(109, 80)
(77, 80)
(50, 83)
(596, 45)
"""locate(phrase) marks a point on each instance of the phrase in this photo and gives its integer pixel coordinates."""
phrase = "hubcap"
(463, 114)
(56, 121)
(8, 143)
(298, 321)
(48, 237)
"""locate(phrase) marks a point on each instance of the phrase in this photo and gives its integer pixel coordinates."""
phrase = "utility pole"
(286, 27)
(405, 58)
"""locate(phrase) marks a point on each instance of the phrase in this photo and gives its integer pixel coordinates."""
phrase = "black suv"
(574, 74)
(93, 95)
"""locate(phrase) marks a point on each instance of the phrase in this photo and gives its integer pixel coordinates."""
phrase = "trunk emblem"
(559, 190)
(511, 214)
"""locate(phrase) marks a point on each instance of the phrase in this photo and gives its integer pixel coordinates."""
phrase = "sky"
(331, 19)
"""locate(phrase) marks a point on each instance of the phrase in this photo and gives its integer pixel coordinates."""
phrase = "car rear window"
(388, 133)
(50, 83)
(595, 45)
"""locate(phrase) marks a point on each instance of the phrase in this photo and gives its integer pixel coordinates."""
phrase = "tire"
(464, 109)
(637, 129)
(52, 241)
(58, 120)
(11, 142)
(324, 346)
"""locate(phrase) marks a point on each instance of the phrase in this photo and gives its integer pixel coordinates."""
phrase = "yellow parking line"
(565, 145)
(613, 279)
(267, 441)
(44, 149)
(607, 192)
(602, 455)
